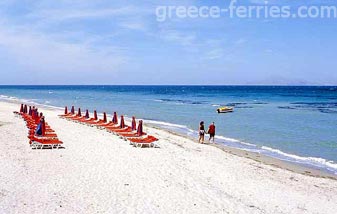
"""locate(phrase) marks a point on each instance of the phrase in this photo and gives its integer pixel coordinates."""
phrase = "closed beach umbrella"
(37, 118)
(87, 113)
(30, 111)
(104, 117)
(115, 119)
(95, 115)
(133, 124)
(36, 112)
(122, 125)
(72, 110)
(66, 110)
(21, 108)
(79, 112)
(25, 109)
(140, 128)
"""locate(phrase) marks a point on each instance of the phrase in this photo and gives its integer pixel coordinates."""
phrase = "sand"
(99, 173)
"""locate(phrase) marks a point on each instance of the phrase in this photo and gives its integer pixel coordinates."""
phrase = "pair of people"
(210, 131)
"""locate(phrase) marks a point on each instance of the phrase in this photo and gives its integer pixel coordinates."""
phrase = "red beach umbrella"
(87, 114)
(115, 119)
(104, 117)
(140, 128)
(79, 112)
(66, 110)
(72, 110)
(32, 113)
(21, 108)
(122, 125)
(133, 124)
(95, 115)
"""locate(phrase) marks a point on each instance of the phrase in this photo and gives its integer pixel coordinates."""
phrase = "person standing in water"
(211, 132)
(201, 132)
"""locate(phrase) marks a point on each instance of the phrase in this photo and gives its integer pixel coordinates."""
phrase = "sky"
(121, 42)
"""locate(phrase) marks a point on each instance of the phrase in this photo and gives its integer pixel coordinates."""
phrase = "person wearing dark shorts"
(211, 132)
(201, 132)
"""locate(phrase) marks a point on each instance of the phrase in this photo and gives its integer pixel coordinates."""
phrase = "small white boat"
(225, 109)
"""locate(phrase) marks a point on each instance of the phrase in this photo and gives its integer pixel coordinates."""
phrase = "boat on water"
(225, 109)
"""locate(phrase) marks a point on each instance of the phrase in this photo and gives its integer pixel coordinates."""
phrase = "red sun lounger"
(140, 142)
(37, 143)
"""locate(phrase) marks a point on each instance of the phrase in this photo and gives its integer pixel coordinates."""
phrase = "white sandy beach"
(99, 173)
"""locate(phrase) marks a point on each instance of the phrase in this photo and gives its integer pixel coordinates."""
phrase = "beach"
(98, 172)
(259, 123)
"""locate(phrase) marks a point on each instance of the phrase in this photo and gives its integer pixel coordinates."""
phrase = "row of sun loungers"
(134, 135)
(47, 139)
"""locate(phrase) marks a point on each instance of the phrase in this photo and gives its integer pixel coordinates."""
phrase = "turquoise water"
(296, 124)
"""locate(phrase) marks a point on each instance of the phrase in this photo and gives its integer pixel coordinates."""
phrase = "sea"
(297, 124)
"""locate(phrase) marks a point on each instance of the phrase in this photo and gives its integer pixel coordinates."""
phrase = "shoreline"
(261, 158)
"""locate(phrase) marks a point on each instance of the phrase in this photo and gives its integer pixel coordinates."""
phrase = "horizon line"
(253, 85)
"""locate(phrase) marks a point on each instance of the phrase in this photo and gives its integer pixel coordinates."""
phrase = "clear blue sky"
(121, 42)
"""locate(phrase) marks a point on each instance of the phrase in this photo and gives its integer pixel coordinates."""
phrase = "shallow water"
(297, 124)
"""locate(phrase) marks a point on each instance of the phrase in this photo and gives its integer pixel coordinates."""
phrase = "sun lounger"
(37, 143)
(107, 124)
(95, 122)
(87, 120)
(47, 134)
(140, 142)
(117, 128)
(130, 135)
(114, 126)
(124, 130)
(70, 116)
(117, 131)
(78, 119)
